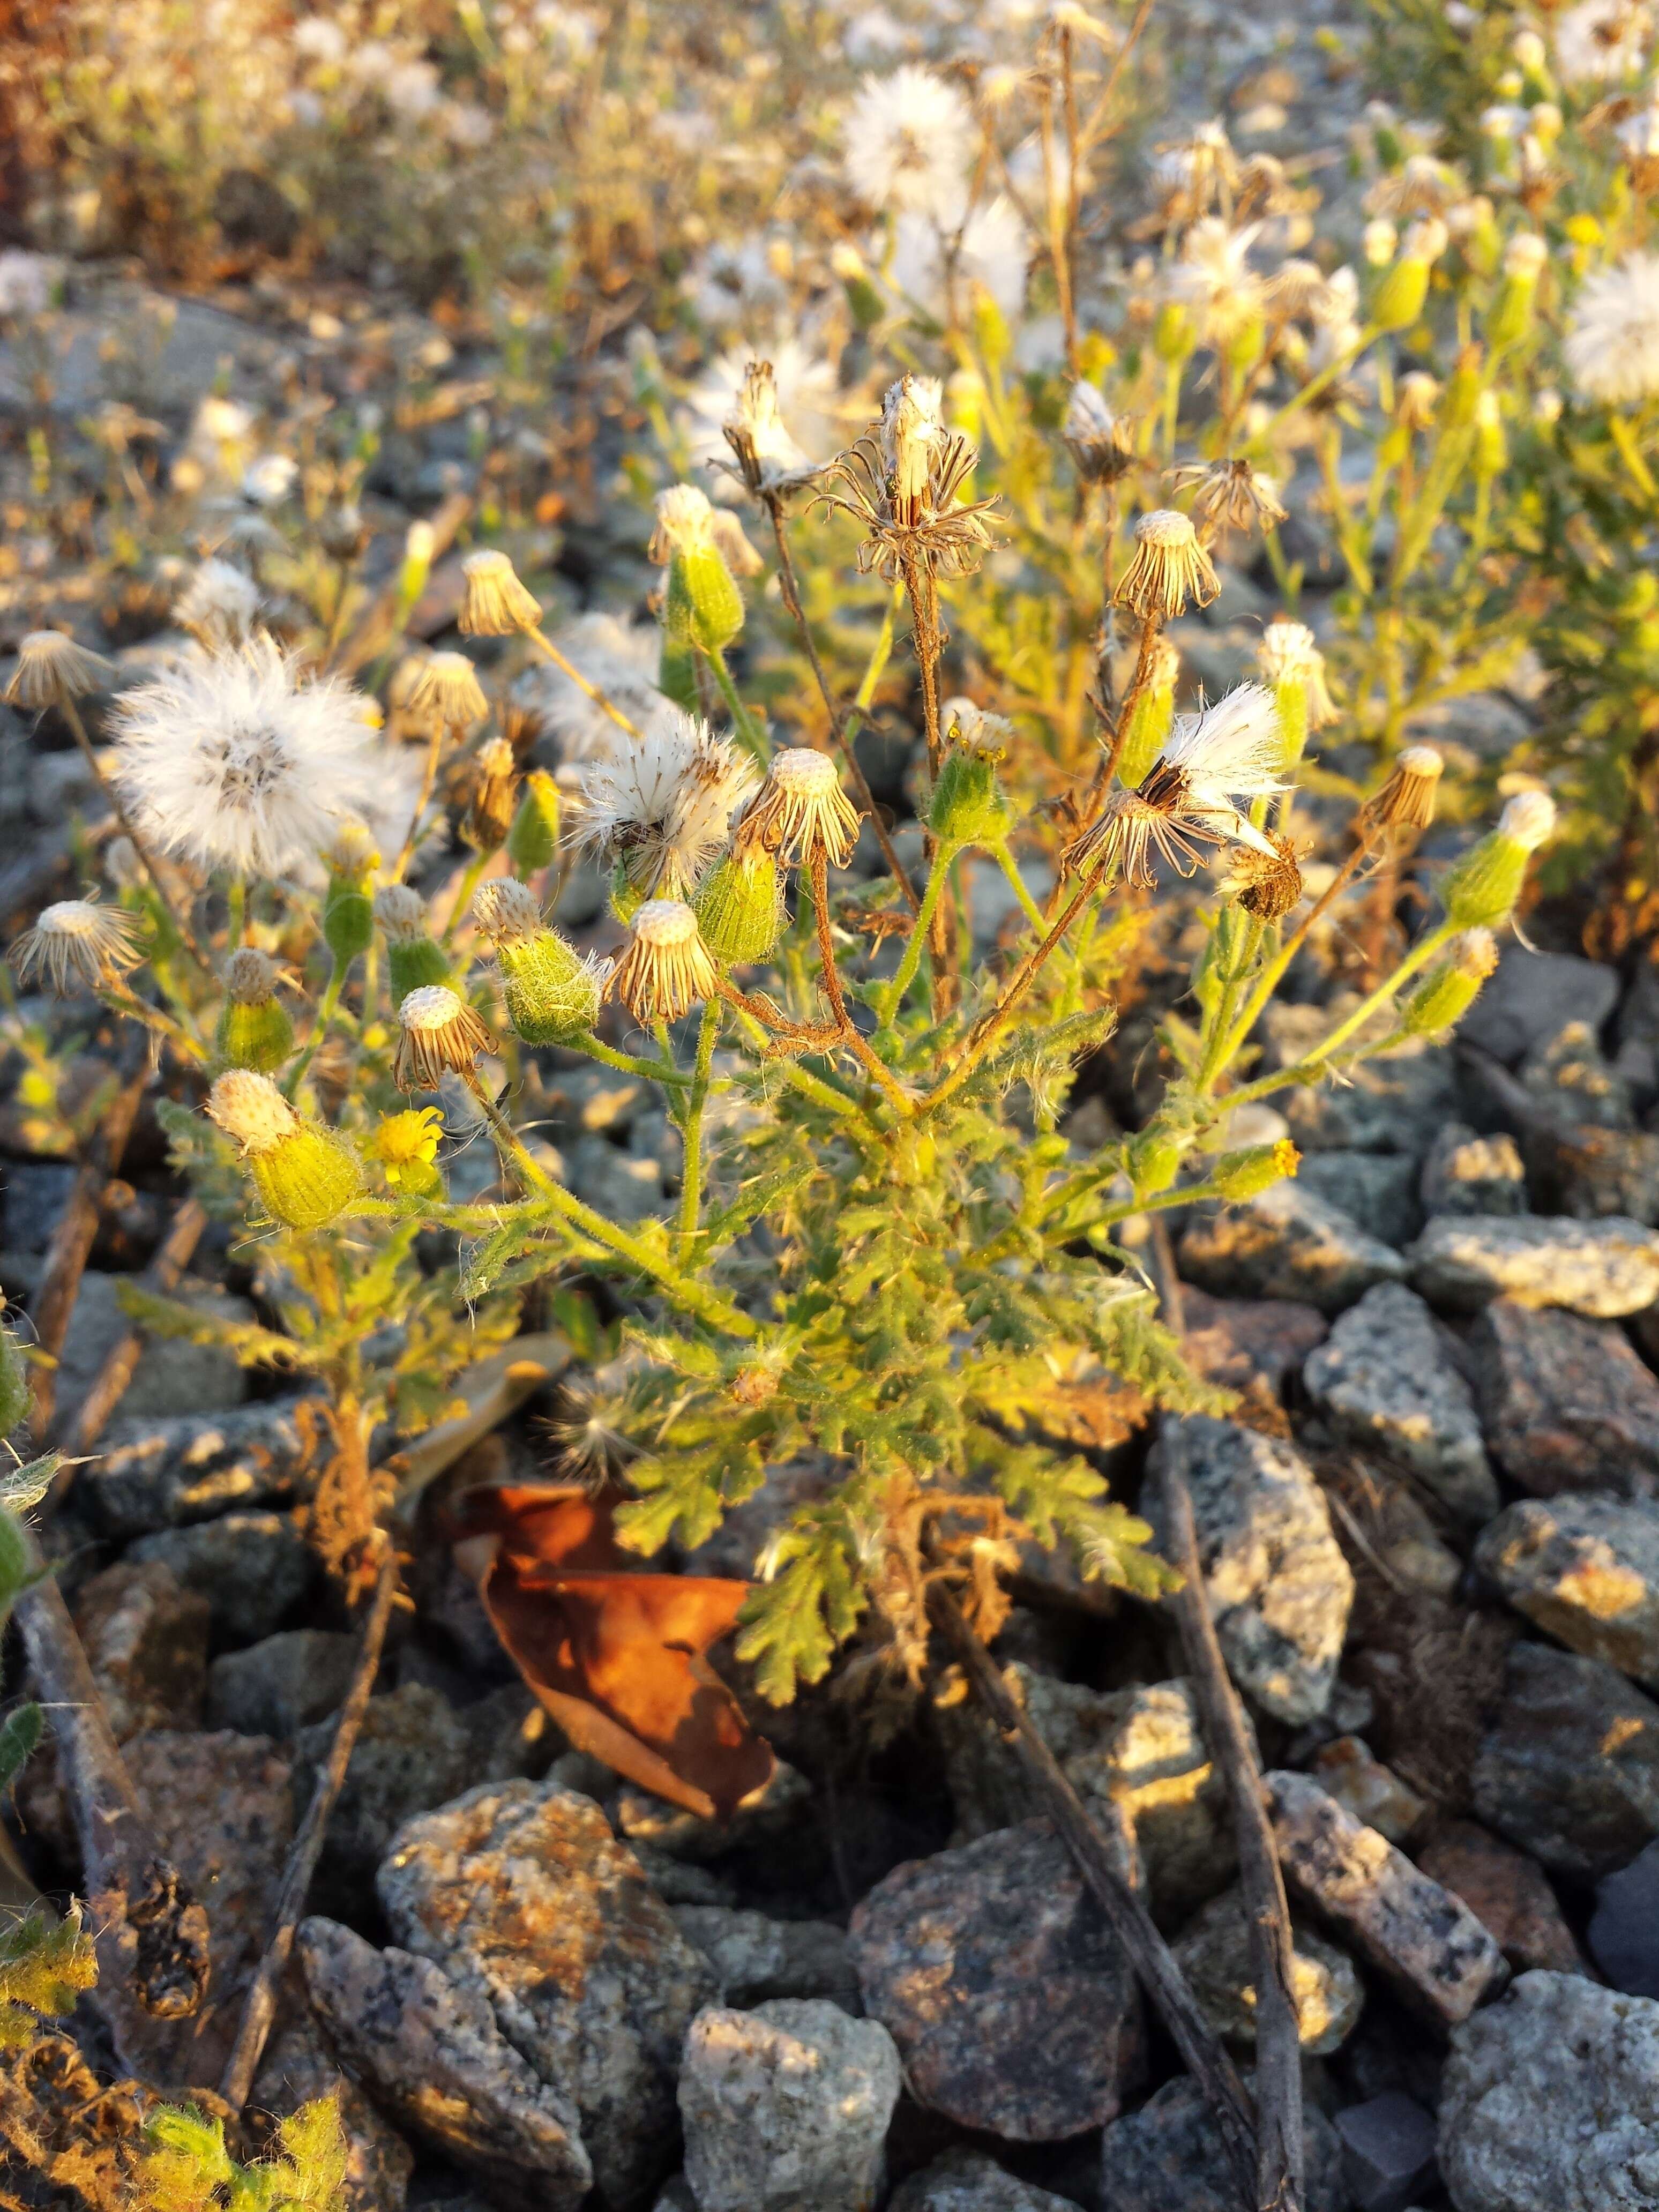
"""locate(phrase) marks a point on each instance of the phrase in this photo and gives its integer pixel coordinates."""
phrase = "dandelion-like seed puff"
(662, 806)
(1613, 347)
(237, 762)
(1187, 802)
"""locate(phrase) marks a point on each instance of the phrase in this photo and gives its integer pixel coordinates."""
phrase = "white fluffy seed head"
(250, 976)
(684, 523)
(1529, 819)
(252, 1109)
(1474, 953)
(507, 911)
(1421, 761)
(77, 944)
(1525, 255)
(1613, 347)
(401, 913)
(52, 667)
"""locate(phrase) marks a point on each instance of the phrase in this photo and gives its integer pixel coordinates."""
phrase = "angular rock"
(1418, 1937)
(780, 1804)
(1382, 1378)
(415, 1752)
(1167, 2157)
(432, 2054)
(222, 1806)
(1138, 1753)
(968, 2181)
(1390, 1104)
(1373, 1793)
(1570, 1081)
(1585, 1569)
(1623, 1935)
(786, 2106)
(1234, 1342)
(296, 2070)
(1507, 1891)
(1534, 996)
(1388, 2151)
(1569, 1768)
(1551, 2098)
(1379, 1190)
(160, 1474)
(1213, 1951)
(1589, 1172)
(998, 1977)
(1566, 1402)
(171, 1378)
(1466, 1174)
(1279, 1588)
(755, 1958)
(146, 1640)
(252, 1568)
(283, 1685)
(524, 1897)
(1604, 1268)
(1286, 1244)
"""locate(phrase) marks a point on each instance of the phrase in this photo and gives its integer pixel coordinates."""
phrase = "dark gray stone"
(755, 1958)
(1569, 1768)
(1379, 1190)
(1571, 1082)
(283, 1685)
(996, 1974)
(1167, 2157)
(1624, 1931)
(1383, 1379)
(1287, 1244)
(1566, 1402)
(415, 1752)
(1586, 1571)
(161, 1474)
(968, 2181)
(253, 1569)
(1533, 997)
(1388, 2152)
(1466, 1174)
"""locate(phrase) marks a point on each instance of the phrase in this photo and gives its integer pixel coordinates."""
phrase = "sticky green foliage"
(185, 2167)
(45, 1964)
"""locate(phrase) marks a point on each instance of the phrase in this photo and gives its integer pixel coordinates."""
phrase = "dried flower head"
(401, 913)
(250, 976)
(1421, 185)
(447, 688)
(1168, 568)
(220, 605)
(1213, 279)
(1613, 347)
(234, 761)
(494, 796)
(306, 1175)
(1416, 400)
(1406, 798)
(1529, 820)
(684, 523)
(77, 945)
(908, 143)
(1601, 42)
(1101, 444)
(801, 810)
(1230, 495)
(1265, 885)
(1186, 803)
(508, 912)
(767, 458)
(1297, 287)
(437, 1033)
(901, 482)
(52, 667)
(662, 806)
(665, 969)
(494, 603)
(249, 1107)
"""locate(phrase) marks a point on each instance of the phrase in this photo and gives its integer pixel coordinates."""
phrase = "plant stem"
(469, 884)
(855, 1043)
(692, 1178)
(1268, 982)
(1630, 452)
(893, 999)
(568, 668)
(71, 715)
(628, 1063)
(429, 778)
(815, 1087)
(327, 1008)
(121, 1000)
(1017, 884)
(747, 728)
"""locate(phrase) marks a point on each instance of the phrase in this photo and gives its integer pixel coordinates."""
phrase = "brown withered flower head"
(1405, 799)
(1268, 886)
(1169, 567)
(1230, 495)
(901, 481)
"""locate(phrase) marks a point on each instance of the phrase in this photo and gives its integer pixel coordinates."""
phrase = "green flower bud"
(254, 1030)
(15, 1568)
(1492, 447)
(626, 896)
(552, 994)
(414, 960)
(1252, 1169)
(1446, 993)
(348, 909)
(1481, 891)
(1172, 333)
(1153, 1159)
(533, 839)
(1461, 399)
(1511, 313)
(306, 1175)
(862, 297)
(13, 1384)
(968, 806)
(677, 673)
(703, 605)
(740, 907)
(1401, 295)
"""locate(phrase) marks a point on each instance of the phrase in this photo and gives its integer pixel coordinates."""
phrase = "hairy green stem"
(691, 1177)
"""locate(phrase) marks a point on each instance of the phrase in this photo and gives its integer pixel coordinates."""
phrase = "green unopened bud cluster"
(306, 1175)
(551, 993)
(1246, 1173)
(703, 605)
(968, 806)
(739, 906)
(1482, 890)
(254, 1029)
(348, 907)
(1153, 1160)
(533, 839)
(1151, 714)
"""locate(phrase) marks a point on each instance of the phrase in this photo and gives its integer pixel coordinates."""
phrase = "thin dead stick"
(260, 2007)
(151, 1934)
(868, 1059)
(77, 1225)
(1280, 2181)
(568, 668)
(1153, 1961)
(790, 592)
(1095, 125)
(108, 1386)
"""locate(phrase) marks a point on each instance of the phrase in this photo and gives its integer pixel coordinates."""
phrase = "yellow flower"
(406, 1144)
